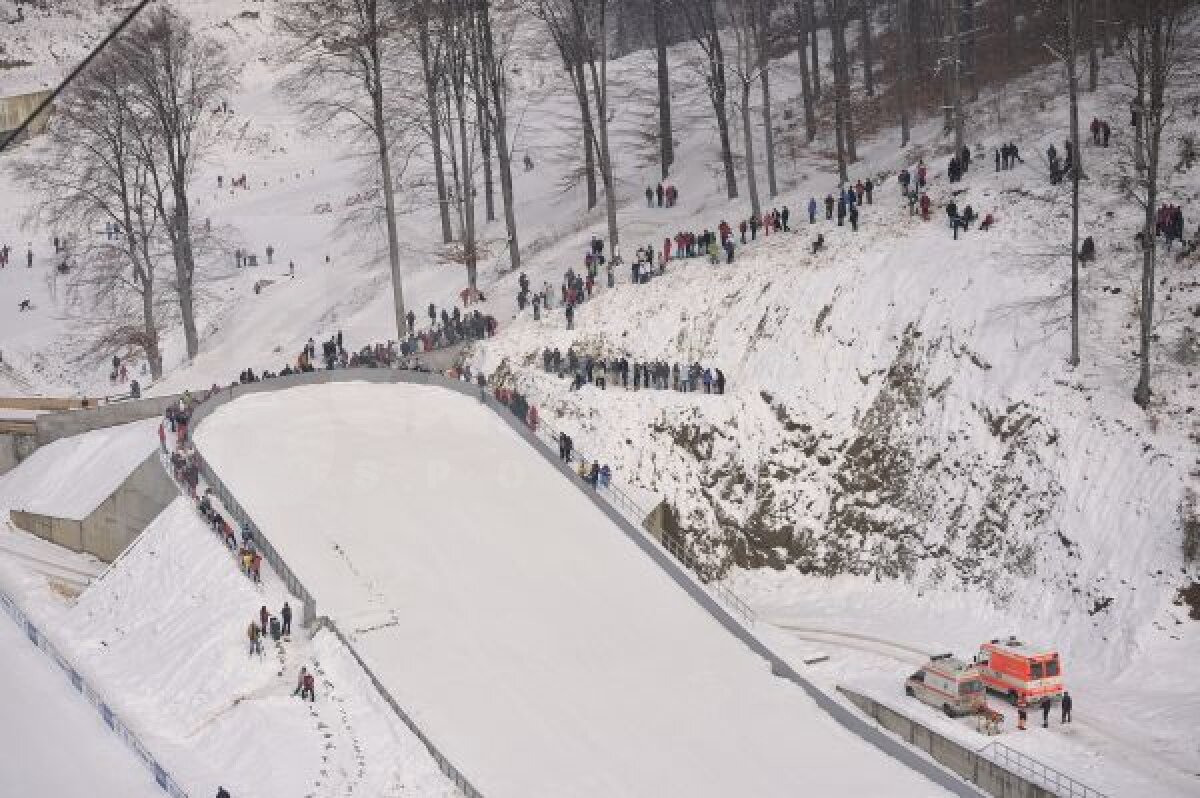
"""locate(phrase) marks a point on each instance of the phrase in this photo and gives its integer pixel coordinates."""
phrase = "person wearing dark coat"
(841, 208)
(1045, 706)
(828, 207)
(286, 615)
(854, 219)
(1066, 707)
(222, 792)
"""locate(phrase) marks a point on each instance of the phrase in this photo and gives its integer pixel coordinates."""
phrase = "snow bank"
(543, 652)
(54, 741)
(71, 477)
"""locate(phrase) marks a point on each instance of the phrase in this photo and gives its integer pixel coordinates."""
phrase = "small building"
(16, 109)
(92, 493)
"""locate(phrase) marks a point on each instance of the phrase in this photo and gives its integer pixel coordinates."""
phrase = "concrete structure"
(107, 530)
(17, 441)
(1018, 780)
(16, 109)
(54, 426)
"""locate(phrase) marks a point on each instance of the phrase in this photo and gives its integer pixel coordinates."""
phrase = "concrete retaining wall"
(52, 426)
(64, 532)
(971, 765)
(120, 518)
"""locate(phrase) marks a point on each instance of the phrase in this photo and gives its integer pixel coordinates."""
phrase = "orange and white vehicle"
(1022, 673)
(949, 684)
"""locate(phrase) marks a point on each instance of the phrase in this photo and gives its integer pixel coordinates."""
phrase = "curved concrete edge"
(848, 718)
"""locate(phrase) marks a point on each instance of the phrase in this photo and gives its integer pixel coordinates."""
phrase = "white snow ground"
(535, 644)
(54, 741)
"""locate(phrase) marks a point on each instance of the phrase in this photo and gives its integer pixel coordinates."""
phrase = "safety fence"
(114, 723)
(1038, 772)
(637, 515)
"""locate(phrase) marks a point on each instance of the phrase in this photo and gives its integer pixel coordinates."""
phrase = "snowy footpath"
(535, 645)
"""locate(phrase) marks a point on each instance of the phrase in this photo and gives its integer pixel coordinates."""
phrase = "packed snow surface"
(54, 742)
(70, 477)
(533, 642)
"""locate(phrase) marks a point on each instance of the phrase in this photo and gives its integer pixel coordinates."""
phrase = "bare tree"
(953, 63)
(905, 78)
(338, 47)
(801, 21)
(431, 76)
(494, 72)
(843, 125)
(761, 11)
(99, 177)
(746, 69)
(864, 7)
(580, 27)
(665, 134)
(176, 79)
(1070, 56)
(704, 24)
(1162, 60)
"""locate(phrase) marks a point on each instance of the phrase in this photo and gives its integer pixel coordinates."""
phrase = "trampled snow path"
(540, 650)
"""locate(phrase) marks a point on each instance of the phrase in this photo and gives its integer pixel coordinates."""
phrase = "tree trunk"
(1106, 29)
(904, 86)
(841, 76)
(1010, 34)
(967, 29)
(467, 198)
(435, 131)
(600, 92)
(763, 49)
(954, 43)
(665, 142)
(868, 70)
(496, 83)
(485, 151)
(1073, 92)
(589, 134)
(185, 270)
(810, 120)
(1093, 57)
(389, 208)
(1152, 121)
(816, 50)
(748, 143)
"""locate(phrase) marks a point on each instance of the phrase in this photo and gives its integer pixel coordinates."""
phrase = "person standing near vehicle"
(1066, 707)
(1045, 705)
(1021, 716)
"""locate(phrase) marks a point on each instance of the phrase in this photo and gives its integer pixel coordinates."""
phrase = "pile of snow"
(71, 477)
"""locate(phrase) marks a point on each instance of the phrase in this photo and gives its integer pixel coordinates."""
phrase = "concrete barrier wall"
(61, 531)
(971, 765)
(52, 426)
(116, 523)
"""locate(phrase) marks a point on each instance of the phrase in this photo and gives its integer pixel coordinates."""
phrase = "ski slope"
(540, 649)
(54, 742)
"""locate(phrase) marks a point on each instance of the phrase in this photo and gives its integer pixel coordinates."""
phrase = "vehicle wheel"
(908, 691)
(1013, 698)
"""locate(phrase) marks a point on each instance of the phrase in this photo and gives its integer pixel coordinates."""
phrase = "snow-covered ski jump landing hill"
(539, 647)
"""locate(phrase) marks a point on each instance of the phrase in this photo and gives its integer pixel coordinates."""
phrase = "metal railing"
(637, 515)
(111, 720)
(1038, 772)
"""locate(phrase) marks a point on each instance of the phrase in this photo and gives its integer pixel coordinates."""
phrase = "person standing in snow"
(255, 634)
(854, 218)
(841, 210)
(570, 316)
(1045, 707)
(997, 159)
(1066, 707)
(783, 217)
(263, 617)
(221, 791)
(812, 210)
(300, 681)
(309, 687)
(828, 207)
(270, 254)
(649, 197)
(286, 615)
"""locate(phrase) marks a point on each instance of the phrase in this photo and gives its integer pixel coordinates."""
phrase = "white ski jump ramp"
(528, 637)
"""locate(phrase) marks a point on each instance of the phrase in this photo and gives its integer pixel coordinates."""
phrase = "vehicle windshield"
(1052, 667)
(970, 687)
(1036, 671)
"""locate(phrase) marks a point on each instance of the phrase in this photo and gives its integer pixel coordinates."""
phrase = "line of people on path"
(621, 372)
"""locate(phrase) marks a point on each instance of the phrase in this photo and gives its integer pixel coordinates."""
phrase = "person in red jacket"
(925, 207)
